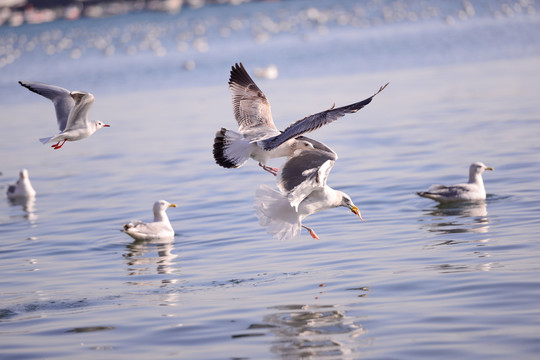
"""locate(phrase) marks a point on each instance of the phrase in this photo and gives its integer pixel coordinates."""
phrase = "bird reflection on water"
(304, 331)
(28, 206)
(455, 218)
(140, 260)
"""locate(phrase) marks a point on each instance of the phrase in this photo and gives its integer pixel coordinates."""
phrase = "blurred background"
(112, 45)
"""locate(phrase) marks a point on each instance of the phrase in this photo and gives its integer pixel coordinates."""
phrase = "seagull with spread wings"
(72, 109)
(258, 137)
(303, 191)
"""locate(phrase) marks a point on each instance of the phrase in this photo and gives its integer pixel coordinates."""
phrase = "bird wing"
(313, 122)
(60, 97)
(11, 189)
(449, 191)
(78, 117)
(250, 106)
(305, 172)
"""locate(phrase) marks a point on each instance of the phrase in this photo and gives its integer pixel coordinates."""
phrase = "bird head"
(347, 202)
(99, 125)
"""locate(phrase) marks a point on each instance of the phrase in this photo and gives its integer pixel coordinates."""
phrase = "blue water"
(415, 280)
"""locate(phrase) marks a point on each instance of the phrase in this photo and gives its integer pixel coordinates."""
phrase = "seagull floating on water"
(161, 228)
(471, 191)
(303, 191)
(22, 188)
(258, 137)
(71, 112)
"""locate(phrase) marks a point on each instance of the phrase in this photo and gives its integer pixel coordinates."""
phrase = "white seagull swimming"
(71, 112)
(303, 191)
(472, 191)
(22, 188)
(258, 137)
(161, 228)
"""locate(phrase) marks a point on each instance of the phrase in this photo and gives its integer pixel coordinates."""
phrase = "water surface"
(415, 280)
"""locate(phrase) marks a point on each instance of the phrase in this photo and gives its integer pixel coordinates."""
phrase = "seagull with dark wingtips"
(258, 137)
(472, 191)
(72, 109)
(303, 191)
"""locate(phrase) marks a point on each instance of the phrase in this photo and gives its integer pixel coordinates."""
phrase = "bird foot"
(271, 170)
(58, 145)
(311, 232)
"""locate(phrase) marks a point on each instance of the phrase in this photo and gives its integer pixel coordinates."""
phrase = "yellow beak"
(172, 205)
(356, 211)
(490, 168)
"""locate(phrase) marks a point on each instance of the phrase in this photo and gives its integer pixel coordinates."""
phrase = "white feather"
(276, 213)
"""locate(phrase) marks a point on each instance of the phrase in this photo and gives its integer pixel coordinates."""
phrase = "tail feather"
(45, 140)
(231, 150)
(276, 213)
(429, 195)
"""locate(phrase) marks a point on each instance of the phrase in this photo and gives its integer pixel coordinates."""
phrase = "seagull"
(22, 188)
(161, 228)
(303, 191)
(258, 137)
(471, 191)
(71, 112)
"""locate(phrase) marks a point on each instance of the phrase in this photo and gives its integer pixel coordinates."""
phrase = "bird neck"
(161, 216)
(475, 178)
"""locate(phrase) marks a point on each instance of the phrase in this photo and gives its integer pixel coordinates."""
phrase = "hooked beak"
(356, 211)
(172, 205)
(490, 168)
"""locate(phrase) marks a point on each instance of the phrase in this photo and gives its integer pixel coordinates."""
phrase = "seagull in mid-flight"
(258, 137)
(472, 191)
(303, 191)
(71, 112)
(161, 228)
(22, 188)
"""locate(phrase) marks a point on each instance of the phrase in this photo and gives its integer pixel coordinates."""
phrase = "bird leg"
(311, 232)
(271, 170)
(58, 145)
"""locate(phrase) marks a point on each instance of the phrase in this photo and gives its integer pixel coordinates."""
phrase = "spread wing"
(304, 172)
(250, 106)
(313, 122)
(78, 116)
(60, 97)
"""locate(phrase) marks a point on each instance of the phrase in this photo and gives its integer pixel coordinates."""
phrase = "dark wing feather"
(314, 122)
(250, 106)
(446, 191)
(60, 97)
(305, 168)
(11, 189)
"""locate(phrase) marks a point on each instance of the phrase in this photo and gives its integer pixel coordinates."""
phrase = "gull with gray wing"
(303, 192)
(471, 191)
(258, 137)
(160, 228)
(71, 108)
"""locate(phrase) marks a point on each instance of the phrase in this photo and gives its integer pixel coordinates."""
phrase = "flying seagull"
(258, 137)
(303, 191)
(71, 112)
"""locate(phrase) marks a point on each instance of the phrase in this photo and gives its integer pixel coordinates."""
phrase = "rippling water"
(415, 280)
